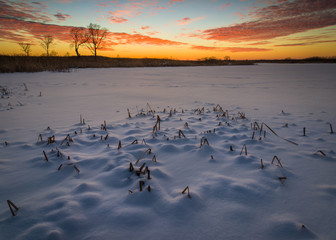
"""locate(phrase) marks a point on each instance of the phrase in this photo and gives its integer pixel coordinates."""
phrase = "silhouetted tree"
(79, 37)
(26, 48)
(46, 43)
(96, 36)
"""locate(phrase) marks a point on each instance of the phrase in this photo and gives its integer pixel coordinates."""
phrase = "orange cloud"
(184, 21)
(125, 38)
(278, 20)
(17, 30)
(230, 49)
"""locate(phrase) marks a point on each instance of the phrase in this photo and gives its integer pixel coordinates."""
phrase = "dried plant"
(10, 205)
(186, 189)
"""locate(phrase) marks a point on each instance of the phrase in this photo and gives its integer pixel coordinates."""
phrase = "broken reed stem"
(45, 155)
(204, 141)
(75, 167)
(141, 183)
(149, 152)
(261, 163)
(10, 205)
(186, 188)
(253, 135)
(320, 151)
(331, 129)
(282, 179)
(181, 134)
(244, 147)
(279, 163)
(131, 168)
(304, 131)
(119, 144)
(148, 106)
(129, 114)
(154, 159)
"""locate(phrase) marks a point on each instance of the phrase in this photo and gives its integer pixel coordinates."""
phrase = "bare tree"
(96, 35)
(46, 43)
(79, 37)
(26, 48)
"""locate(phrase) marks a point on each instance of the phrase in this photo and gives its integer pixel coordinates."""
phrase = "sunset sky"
(178, 29)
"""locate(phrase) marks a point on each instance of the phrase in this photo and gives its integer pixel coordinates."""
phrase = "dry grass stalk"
(253, 135)
(106, 137)
(119, 144)
(150, 109)
(261, 163)
(171, 112)
(40, 138)
(241, 115)
(279, 163)
(26, 88)
(244, 147)
(135, 141)
(186, 125)
(131, 168)
(60, 166)
(331, 129)
(157, 125)
(10, 205)
(304, 131)
(186, 188)
(149, 188)
(142, 166)
(278, 135)
(148, 173)
(45, 156)
(147, 151)
(89, 128)
(321, 152)
(231, 149)
(51, 140)
(180, 133)
(143, 141)
(76, 168)
(141, 184)
(282, 179)
(204, 141)
(154, 158)
(129, 114)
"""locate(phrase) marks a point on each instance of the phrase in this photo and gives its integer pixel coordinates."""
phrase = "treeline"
(44, 63)
(92, 37)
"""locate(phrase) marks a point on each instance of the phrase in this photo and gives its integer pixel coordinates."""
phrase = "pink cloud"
(277, 20)
(184, 21)
(224, 6)
(117, 19)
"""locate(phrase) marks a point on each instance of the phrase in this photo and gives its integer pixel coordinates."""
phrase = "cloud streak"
(276, 21)
(230, 49)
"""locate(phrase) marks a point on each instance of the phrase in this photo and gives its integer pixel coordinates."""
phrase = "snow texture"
(216, 124)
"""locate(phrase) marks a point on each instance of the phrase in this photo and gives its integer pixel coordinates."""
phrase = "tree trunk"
(78, 55)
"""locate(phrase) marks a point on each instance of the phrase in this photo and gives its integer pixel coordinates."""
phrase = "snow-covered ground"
(208, 115)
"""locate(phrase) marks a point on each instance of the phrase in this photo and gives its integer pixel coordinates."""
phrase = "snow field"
(231, 195)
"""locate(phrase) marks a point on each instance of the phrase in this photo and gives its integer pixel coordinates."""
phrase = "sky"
(176, 29)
